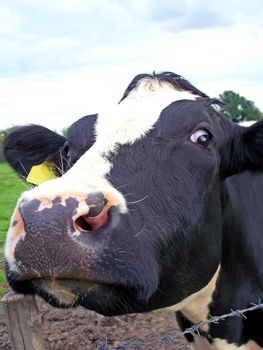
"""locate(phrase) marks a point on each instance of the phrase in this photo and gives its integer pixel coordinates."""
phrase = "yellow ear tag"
(41, 173)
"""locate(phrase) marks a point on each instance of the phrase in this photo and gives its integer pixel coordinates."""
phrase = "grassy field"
(10, 188)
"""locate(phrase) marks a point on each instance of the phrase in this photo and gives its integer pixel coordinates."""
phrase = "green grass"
(10, 188)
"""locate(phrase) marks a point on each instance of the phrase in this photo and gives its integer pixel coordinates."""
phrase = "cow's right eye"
(201, 137)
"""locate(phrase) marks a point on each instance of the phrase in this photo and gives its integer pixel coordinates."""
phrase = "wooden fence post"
(23, 322)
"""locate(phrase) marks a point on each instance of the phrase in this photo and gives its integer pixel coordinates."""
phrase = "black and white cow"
(163, 209)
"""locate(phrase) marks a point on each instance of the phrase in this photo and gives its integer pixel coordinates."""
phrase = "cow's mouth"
(66, 291)
(106, 299)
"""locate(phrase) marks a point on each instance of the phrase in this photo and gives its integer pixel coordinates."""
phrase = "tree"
(238, 108)
(64, 131)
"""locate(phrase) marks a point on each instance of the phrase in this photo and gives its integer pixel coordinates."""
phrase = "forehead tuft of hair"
(177, 81)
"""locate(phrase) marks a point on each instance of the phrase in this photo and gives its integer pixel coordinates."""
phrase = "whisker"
(140, 232)
(60, 170)
(28, 184)
(139, 200)
(59, 167)
(23, 167)
(121, 186)
(61, 161)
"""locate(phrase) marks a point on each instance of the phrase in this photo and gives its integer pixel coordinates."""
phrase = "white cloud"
(10, 21)
(61, 59)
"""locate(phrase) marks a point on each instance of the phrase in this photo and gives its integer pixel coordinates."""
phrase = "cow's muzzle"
(58, 238)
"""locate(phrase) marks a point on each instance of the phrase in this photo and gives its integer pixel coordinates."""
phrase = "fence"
(23, 322)
(194, 330)
(24, 326)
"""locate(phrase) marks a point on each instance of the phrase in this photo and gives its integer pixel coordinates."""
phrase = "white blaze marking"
(136, 114)
(125, 123)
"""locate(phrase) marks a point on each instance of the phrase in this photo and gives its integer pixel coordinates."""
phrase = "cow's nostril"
(89, 223)
(82, 224)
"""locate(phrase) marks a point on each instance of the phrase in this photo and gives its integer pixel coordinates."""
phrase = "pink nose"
(55, 217)
(48, 236)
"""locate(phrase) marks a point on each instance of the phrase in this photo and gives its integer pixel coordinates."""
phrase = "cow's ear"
(248, 148)
(252, 139)
(31, 145)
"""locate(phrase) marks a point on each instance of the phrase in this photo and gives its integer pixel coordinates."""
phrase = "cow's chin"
(106, 299)
(62, 293)
(106, 296)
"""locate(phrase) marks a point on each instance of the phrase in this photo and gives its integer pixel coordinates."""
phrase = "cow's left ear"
(248, 148)
(31, 145)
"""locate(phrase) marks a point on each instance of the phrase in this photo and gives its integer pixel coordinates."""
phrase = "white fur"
(125, 123)
(200, 343)
(221, 344)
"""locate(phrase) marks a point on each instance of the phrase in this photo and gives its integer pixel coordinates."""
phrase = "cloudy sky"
(62, 59)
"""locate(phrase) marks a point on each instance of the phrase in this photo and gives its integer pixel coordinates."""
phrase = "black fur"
(80, 137)
(191, 207)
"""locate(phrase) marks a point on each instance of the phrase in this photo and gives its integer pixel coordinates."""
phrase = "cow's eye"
(201, 137)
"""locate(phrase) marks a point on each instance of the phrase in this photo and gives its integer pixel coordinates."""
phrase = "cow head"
(136, 223)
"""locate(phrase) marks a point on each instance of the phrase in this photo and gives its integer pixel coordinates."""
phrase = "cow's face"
(135, 224)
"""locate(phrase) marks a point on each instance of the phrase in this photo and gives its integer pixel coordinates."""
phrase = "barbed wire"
(173, 338)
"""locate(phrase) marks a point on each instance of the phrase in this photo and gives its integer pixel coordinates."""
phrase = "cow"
(159, 205)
